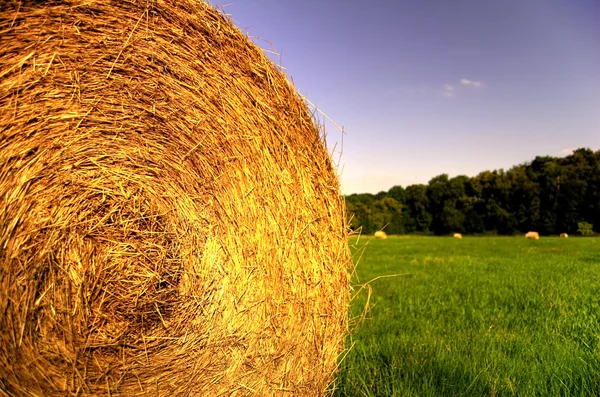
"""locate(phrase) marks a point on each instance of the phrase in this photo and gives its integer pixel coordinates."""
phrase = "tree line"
(551, 195)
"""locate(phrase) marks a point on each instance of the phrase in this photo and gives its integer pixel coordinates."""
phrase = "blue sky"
(429, 87)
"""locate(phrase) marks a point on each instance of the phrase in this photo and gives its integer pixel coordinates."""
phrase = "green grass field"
(481, 316)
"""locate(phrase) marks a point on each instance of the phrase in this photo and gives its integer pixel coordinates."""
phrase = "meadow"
(481, 316)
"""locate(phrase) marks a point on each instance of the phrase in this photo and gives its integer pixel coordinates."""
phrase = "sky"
(427, 87)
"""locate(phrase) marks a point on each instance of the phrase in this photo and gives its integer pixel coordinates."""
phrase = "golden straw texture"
(170, 219)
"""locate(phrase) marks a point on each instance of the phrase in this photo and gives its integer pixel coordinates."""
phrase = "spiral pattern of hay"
(170, 220)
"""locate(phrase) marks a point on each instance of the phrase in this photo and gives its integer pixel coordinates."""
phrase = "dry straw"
(170, 219)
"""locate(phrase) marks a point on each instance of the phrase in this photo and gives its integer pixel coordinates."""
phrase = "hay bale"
(170, 219)
(380, 234)
(457, 235)
(564, 235)
(532, 235)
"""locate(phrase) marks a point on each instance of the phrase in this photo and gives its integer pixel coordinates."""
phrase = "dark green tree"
(417, 216)
(550, 195)
(387, 215)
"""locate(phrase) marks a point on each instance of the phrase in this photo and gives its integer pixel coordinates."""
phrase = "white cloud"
(448, 90)
(567, 151)
(471, 83)
(452, 90)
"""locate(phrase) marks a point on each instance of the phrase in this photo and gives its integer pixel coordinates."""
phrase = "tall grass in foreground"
(485, 316)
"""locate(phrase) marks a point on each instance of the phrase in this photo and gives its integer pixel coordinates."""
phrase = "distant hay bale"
(457, 235)
(564, 235)
(380, 234)
(532, 235)
(170, 219)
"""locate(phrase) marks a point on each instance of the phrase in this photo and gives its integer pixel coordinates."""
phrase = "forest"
(550, 195)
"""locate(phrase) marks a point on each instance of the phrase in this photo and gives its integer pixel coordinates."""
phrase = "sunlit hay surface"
(170, 220)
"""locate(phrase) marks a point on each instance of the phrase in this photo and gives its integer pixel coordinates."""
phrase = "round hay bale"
(170, 219)
(380, 234)
(532, 235)
(457, 235)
